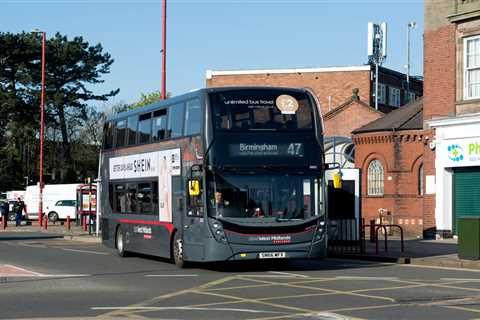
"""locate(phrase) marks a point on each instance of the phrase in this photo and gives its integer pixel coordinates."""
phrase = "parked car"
(61, 210)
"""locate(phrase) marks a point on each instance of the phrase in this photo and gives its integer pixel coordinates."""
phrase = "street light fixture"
(42, 125)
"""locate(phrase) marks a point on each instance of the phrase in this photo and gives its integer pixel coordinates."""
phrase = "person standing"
(18, 209)
(4, 208)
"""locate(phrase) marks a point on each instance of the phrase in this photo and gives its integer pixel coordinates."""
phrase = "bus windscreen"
(261, 110)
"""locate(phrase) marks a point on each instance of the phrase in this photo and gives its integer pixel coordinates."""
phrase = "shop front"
(457, 179)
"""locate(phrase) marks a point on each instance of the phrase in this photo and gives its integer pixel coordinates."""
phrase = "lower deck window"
(134, 197)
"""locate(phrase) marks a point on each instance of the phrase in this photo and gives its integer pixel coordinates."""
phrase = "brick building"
(452, 111)
(389, 153)
(333, 87)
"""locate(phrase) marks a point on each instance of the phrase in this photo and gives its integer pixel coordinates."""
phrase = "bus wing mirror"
(337, 180)
(193, 188)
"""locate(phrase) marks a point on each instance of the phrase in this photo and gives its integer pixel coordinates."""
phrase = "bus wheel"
(120, 243)
(178, 251)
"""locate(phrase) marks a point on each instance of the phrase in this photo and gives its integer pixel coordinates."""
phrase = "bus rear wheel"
(120, 243)
(177, 252)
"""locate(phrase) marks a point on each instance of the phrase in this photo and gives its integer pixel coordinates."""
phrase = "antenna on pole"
(377, 49)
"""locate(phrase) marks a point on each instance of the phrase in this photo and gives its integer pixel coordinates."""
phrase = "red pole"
(84, 223)
(40, 204)
(4, 222)
(45, 225)
(164, 50)
(68, 222)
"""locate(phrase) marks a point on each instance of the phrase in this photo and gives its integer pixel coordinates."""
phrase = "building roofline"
(211, 73)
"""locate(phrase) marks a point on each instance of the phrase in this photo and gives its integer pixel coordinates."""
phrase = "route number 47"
(295, 149)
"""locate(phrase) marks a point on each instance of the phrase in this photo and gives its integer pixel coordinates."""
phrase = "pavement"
(69, 279)
(57, 230)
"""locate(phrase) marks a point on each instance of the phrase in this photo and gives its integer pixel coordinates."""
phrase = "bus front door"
(194, 222)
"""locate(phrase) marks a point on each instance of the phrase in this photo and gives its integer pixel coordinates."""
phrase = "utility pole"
(164, 50)
(42, 125)
(377, 49)
(411, 25)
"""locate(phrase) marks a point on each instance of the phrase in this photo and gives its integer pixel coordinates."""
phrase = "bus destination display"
(266, 150)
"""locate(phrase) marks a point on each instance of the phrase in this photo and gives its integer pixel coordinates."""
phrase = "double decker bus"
(217, 174)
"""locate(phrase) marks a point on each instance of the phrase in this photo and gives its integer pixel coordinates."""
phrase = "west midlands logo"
(455, 152)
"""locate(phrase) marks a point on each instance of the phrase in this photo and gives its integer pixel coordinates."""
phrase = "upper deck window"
(132, 130)
(261, 110)
(144, 128)
(193, 117)
(159, 125)
(175, 120)
(121, 128)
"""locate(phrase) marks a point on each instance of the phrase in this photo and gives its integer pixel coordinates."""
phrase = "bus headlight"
(217, 231)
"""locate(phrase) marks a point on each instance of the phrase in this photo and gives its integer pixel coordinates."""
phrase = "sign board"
(460, 152)
(144, 165)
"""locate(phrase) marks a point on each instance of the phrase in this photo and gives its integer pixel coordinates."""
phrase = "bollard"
(372, 230)
(4, 222)
(84, 223)
(45, 223)
(68, 223)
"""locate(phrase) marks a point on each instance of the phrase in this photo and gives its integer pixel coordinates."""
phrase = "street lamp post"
(42, 125)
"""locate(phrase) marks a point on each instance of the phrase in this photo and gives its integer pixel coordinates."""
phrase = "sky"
(220, 35)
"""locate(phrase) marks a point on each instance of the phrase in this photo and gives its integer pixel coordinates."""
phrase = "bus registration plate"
(271, 255)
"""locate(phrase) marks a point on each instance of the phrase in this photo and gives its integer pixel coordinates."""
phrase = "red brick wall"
(439, 72)
(401, 155)
(338, 85)
(352, 117)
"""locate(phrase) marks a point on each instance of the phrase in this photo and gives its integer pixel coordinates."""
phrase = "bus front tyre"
(120, 243)
(178, 251)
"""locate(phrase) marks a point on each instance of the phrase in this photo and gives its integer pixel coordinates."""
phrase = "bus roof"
(189, 95)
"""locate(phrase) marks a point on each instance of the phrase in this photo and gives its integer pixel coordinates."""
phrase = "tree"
(73, 68)
(73, 65)
(148, 98)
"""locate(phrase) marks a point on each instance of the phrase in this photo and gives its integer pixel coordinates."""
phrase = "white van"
(61, 210)
(52, 193)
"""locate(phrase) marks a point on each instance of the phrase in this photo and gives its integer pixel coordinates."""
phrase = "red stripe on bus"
(167, 225)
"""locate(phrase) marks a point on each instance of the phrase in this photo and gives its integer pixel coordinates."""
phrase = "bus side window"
(159, 125)
(121, 128)
(193, 117)
(175, 120)
(132, 130)
(144, 128)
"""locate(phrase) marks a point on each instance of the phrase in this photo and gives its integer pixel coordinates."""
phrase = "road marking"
(350, 293)
(185, 308)
(279, 276)
(436, 267)
(171, 275)
(294, 275)
(26, 272)
(460, 279)
(86, 251)
(365, 278)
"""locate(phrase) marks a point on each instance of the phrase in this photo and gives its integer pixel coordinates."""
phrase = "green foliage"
(73, 68)
(148, 98)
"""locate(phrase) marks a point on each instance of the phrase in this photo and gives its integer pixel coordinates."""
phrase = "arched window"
(375, 178)
(421, 179)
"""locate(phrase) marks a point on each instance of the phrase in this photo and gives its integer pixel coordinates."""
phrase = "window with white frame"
(382, 93)
(394, 97)
(375, 178)
(471, 48)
